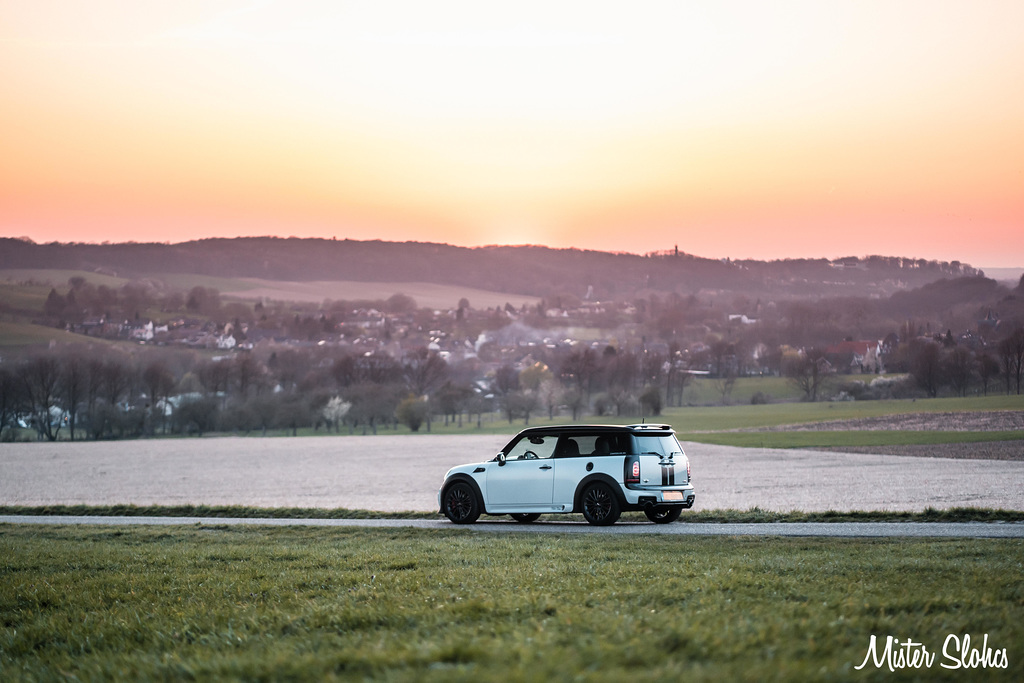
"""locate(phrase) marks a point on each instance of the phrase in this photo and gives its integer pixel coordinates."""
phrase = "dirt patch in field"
(982, 421)
(986, 421)
(982, 450)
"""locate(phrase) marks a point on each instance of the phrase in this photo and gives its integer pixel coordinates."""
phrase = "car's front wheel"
(663, 515)
(600, 506)
(525, 517)
(460, 503)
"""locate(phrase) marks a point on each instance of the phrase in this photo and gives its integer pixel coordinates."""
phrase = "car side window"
(592, 445)
(533, 448)
(611, 444)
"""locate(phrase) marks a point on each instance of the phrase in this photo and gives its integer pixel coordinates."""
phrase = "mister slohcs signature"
(957, 653)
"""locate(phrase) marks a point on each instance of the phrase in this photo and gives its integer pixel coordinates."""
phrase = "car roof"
(592, 429)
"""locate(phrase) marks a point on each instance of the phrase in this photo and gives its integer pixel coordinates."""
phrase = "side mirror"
(501, 459)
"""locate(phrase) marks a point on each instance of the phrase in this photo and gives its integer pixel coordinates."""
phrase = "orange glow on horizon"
(742, 129)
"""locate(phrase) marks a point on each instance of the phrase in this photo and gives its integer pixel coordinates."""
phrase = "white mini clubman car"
(597, 470)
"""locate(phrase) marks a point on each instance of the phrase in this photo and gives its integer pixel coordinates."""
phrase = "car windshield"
(533, 448)
(658, 445)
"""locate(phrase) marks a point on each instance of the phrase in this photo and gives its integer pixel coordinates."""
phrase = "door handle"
(545, 467)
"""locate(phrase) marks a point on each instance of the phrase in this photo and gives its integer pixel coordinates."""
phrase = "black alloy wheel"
(526, 517)
(460, 503)
(663, 515)
(600, 506)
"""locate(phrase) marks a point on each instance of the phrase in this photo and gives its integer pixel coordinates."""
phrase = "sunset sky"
(745, 129)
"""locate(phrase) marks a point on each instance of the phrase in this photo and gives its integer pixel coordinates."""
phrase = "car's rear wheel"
(663, 515)
(460, 503)
(600, 506)
(526, 517)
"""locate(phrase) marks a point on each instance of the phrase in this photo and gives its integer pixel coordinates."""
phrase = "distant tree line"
(925, 366)
(92, 393)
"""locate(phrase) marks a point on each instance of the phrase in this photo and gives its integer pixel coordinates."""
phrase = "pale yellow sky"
(742, 129)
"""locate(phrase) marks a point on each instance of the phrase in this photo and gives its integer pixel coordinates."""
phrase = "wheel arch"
(462, 477)
(593, 479)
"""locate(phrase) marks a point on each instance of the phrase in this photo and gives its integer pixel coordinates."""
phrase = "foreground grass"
(753, 515)
(231, 603)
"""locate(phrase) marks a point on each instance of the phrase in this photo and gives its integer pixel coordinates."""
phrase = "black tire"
(526, 517)
(600, 505)
(460, 503)
(663, 515)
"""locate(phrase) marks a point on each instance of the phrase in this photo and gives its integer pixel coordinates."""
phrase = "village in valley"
(148, 358)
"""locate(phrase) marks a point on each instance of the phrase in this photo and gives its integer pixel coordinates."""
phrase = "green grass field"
(55, 277)
(706, 391)
(229, 603)
(426, 294)
(716, 424)
(712, 424)
(719, 418)
(20, 335)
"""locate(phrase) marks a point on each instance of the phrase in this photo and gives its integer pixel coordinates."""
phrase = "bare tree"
(159, 382)
(293, 412)
(373, 404)
(216, 377)
(452, 399)
(11, 393)
(725, 383)
(959, 368)
(40, 379)
(74, 387)
(574, 399)
(115, 380)
(247, 374)
(378, 368)
(520, 404)
(424, 371)
(579, 369)
(1011, 357)
(196, 416)
(677, 375)
(721, 352)
(926, 366)
(548, 393)
(809, 372)
(988, 367)
(506, 379)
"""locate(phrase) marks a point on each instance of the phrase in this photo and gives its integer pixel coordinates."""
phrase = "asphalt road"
(805, 529)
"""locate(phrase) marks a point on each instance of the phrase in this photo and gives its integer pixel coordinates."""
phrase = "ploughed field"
(958, 421)
(403, 472)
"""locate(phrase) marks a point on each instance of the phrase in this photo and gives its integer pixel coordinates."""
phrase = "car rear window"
(664, 444)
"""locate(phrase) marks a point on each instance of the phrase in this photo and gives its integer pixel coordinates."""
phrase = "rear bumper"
(642, 499)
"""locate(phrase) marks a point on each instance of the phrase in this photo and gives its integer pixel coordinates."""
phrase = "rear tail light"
(632, 467)
(687, 469)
